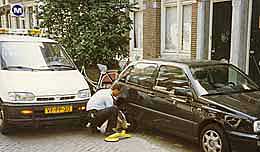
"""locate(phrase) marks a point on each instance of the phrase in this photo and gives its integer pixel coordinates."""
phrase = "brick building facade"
(198, 29)
(168, 29)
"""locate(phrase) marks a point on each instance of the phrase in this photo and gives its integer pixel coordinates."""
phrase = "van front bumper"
(38, 117)
(242, 142)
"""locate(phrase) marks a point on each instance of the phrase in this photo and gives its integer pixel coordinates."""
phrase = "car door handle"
(199, 109)
(151, 94)
(179, 100)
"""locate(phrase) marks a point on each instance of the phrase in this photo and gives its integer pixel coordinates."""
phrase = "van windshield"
(34, 55)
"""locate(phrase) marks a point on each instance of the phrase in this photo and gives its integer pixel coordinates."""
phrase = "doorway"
(221, 30)
(254, 54)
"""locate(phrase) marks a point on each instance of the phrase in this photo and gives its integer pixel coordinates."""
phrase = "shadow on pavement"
(170, 140)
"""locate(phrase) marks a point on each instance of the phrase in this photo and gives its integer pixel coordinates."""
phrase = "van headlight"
(257, 126)
(21, 96)
(84, 93)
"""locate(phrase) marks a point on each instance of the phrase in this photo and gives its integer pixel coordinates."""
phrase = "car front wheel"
(213, 139)
(4, 127)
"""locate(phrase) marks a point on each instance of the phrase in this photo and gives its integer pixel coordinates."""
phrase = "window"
(136, 34)
(222, 79)
(37, 15)
(171, 36)
(30, 9)
(186, 27)
(33, 55)
(141, 74)
(8, 21)
(138, 29)
(170, 77)
(17, 22)
(176, 27)
(23, 23)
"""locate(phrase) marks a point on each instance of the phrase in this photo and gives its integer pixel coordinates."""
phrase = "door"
(221, 30)
(139, 81)
(254, 59)
(175, 110)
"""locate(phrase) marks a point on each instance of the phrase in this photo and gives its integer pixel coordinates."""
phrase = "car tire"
(4, 127)
(133, 124)
(213, 139)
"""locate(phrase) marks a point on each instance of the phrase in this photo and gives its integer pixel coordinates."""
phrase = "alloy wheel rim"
(211, 141)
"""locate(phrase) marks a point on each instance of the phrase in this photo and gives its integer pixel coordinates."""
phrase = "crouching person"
(102, 106)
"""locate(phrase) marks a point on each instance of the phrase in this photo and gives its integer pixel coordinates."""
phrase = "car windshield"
(34, 55)
(221, 79)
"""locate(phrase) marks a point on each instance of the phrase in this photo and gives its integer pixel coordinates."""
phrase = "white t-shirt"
(100, 100)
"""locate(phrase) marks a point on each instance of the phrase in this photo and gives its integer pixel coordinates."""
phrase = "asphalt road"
(80, 139)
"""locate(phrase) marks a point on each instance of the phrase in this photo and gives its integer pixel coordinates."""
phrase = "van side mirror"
(183, 92)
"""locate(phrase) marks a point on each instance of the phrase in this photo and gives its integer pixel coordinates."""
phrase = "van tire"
(4, 127)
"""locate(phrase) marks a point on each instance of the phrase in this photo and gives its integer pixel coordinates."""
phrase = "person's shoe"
(108, 133)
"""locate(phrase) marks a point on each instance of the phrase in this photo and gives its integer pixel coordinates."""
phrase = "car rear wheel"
(4, 127)
(213, 139)
(133, 124)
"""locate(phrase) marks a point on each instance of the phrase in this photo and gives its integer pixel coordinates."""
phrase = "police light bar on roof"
(32, 32)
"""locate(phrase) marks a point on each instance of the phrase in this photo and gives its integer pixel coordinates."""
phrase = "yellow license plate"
(57, 109)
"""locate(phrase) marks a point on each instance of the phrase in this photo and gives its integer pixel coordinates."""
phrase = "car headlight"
(84, 93)
(21, 96)
(257, 126)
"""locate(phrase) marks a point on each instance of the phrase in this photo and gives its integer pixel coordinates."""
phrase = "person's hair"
(116, 86)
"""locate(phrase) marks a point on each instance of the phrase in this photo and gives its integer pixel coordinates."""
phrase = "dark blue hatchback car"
(210, 102)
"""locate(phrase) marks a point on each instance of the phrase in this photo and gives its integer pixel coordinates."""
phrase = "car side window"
(171, 78)
(142, 74)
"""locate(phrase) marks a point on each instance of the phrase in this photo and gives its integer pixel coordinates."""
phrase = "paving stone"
(79, 140)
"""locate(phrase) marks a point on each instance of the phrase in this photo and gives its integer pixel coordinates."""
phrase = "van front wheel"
(4, 127)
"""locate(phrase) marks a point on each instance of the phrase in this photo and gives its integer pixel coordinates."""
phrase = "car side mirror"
(102, 68)
(183, 92)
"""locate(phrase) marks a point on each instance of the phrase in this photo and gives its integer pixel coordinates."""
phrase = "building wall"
(151, 28)
(169, 29)
(28, 21)
(181, 29)
(194, 30)
(240, 31)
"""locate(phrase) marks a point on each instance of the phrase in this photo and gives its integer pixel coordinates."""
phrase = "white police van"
(39, 83)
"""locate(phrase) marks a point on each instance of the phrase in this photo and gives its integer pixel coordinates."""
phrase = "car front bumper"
(244, 142)
(14, 117)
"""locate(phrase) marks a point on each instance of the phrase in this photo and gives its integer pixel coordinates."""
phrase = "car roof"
(21, 38)
(189, 62)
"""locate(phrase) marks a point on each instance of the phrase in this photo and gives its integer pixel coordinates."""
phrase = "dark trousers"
(109, 114)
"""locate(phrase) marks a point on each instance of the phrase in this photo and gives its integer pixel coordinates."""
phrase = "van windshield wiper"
(17, 67)
(61, 66)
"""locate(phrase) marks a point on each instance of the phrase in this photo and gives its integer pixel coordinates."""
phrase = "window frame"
(180, 5)
(182, 50)
(158, 76)
(137, 84)
(136, 53)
